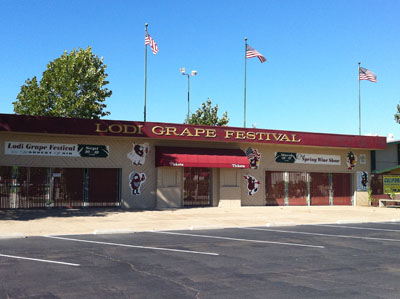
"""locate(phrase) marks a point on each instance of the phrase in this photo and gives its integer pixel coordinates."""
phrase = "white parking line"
(355, 227)
(38, 260)
(318, 234)
(235, 239)
(132, 246)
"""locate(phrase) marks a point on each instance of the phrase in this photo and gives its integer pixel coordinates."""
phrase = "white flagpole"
(359, 101)
(145, 72)
(245, 65)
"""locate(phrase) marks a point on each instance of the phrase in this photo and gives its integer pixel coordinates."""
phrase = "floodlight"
(192, 73)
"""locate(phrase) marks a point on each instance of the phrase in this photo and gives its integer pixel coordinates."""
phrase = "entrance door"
(67, 187)
(274, 188)
(103, 187)
(38, 188)
(341, 189)
(297, 189)
(319, 189)
(196, 187)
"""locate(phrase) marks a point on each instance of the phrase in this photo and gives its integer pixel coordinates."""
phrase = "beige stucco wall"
(169, 187)
(157, 191)
(230, 187)
(216, 195)
(118, 150)
(362, 198)
(228, 193)
(267, 162)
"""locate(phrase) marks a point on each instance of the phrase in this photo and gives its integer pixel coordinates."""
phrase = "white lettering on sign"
(318, 159)
(301, 158)
(175, 164)
(238, 166)
(41, 149)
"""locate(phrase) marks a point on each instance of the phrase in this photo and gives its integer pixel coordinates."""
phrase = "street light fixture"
(192, 73)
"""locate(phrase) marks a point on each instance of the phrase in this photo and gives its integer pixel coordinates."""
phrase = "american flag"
(149, 41)
(250, 53)
(367, 75)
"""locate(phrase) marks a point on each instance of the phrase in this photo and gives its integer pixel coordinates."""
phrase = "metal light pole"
(193, 73)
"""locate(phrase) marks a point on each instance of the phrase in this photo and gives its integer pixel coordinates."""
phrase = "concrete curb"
(113, 231)
(270, 224)
(193, 227)
(13, 236)
(348, 221)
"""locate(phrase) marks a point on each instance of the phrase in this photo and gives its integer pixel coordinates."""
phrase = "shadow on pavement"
(30, 214)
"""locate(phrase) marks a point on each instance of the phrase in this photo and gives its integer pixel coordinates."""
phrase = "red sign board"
(78, 126)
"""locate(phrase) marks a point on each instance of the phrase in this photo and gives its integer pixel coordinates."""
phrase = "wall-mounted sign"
(300, 158)
(96, 151)
(363, 159)
(129, 129)
(362, 180)
(55, 149)
(391, 183)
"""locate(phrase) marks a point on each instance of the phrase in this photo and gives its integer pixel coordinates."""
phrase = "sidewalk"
(19, 223)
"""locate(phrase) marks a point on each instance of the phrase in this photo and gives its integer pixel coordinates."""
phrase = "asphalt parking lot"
(303, 261)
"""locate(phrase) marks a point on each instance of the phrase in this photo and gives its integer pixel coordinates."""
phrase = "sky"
(309, 82)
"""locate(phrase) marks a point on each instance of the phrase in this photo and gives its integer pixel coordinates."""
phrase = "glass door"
(196, 187)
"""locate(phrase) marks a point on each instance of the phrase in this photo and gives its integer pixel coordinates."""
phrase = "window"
(230, 178)
(169, 177)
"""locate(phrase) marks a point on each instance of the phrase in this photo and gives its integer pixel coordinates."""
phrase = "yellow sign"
(391, 183)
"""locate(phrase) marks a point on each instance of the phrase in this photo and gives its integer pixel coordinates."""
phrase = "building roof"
(151, 130)
(393, 142)
(389, 169)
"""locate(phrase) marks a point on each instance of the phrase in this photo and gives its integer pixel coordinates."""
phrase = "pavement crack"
(322, 278)
(132, 266)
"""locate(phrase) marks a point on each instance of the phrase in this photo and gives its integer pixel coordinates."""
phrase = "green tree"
(207, 115)
(71, 86)
(397, 115)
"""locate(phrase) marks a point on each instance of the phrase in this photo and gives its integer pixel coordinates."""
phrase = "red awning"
(201, 157)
